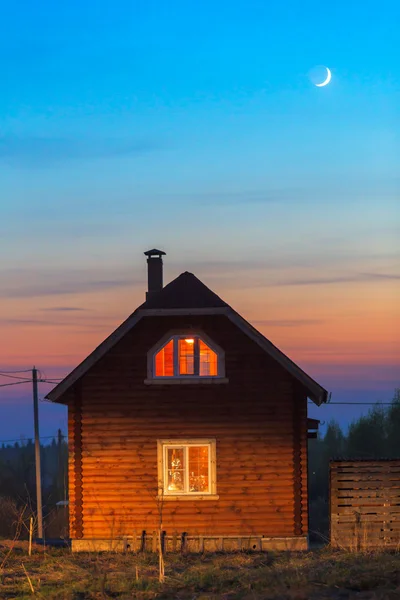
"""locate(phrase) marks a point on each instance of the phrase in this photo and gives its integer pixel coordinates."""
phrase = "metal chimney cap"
(154, 252)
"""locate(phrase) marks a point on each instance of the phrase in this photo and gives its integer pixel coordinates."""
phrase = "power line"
(42, 376)
(13, 383)
(364, 403)
(28, 381)
(22, 371)
(355, 404)
(53, 381)
(14, 377)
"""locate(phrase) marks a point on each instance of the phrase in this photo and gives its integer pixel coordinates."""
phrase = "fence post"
(30, 535)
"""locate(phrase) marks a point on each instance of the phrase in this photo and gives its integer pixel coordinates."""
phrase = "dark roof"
(186, 291)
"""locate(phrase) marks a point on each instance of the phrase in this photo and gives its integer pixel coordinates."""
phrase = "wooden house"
(188, 420)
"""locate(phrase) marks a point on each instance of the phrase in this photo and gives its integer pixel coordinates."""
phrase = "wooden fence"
(365, 504)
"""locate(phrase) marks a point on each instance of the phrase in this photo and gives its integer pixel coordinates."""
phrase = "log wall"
(258, 419)
(365, 504)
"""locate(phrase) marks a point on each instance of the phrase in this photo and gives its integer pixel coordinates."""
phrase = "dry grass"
(322, 574)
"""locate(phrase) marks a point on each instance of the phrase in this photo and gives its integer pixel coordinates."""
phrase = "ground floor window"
(187, 467)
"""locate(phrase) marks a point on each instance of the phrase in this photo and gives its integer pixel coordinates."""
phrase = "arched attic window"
(186, 356)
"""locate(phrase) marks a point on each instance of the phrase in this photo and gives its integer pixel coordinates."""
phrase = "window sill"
(186, 381)
(183, 497)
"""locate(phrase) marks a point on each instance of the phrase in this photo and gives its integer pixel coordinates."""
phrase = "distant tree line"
(18, 478)
(375, 435)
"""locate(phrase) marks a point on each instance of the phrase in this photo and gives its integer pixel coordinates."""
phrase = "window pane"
(208, 360)
(164, 362)
(198, 469)
(176, 470)
(186, 356)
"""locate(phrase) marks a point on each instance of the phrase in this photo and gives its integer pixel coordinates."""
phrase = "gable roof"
(186, 291)
(188, 295)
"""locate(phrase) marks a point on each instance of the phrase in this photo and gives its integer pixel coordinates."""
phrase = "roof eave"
(319, 398)
(93, 357)
(314, 391)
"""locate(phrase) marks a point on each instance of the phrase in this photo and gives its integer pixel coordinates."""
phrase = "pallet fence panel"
(365, 504)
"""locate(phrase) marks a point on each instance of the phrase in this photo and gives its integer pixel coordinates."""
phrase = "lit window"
(208, 361)
(187, 467)
(164, 361)
(184, 356)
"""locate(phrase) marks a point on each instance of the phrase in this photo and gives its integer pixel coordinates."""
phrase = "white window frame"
(162, 460)
(177, 377)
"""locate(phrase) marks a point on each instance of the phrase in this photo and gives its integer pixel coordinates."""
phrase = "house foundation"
(189, 543)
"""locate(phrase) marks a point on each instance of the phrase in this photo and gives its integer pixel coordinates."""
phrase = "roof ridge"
(185, 291)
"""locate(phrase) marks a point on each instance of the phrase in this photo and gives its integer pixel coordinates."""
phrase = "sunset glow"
(196, 130)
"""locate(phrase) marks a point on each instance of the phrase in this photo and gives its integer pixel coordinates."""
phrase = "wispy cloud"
(292, 271)
(287, 322)
(254, 266)
(21, 283)
(381, 275)
(308, 260)
(219, 275)
(351, 278)
(45, 151)
(246, 197)
(296, 191)
(64, 309)
(30, 322)
(83, 324)
(38, 51)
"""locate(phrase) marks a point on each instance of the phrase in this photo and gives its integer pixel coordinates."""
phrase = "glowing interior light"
(189, 341)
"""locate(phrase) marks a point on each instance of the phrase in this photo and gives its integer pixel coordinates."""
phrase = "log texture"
(258, 419)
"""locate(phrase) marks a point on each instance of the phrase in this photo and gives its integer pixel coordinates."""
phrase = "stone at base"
(194, 544)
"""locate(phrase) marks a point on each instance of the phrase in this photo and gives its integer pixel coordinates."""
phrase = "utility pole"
(37, 454)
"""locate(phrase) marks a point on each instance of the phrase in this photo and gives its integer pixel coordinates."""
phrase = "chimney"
(154, 271)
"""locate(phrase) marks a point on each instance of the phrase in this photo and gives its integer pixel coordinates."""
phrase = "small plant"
(17, 525)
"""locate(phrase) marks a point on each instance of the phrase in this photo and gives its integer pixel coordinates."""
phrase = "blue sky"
(195, 127)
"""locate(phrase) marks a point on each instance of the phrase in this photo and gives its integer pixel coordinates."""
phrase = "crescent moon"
(327, 80)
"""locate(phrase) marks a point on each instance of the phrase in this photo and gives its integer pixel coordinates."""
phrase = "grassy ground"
(321, 574)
